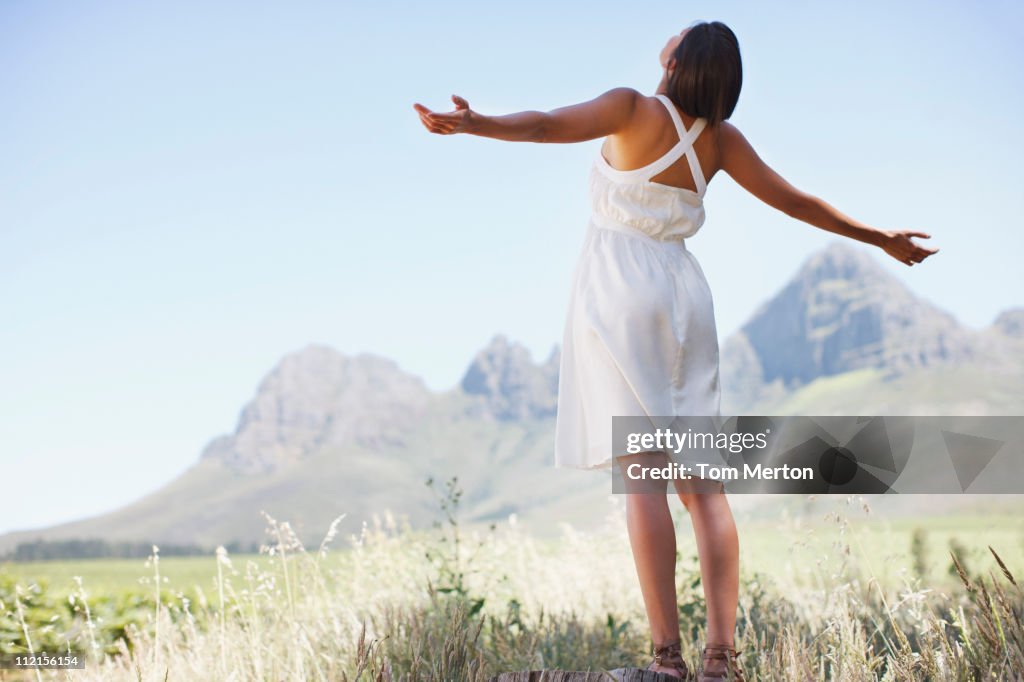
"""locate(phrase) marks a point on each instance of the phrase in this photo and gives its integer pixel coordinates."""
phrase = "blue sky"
(188, 191)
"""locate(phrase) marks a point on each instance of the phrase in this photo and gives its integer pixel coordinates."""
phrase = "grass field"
(834, 595)
(106, 575)
(765, 547)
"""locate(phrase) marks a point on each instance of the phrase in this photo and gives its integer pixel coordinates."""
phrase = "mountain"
(328, 434)
(512, 387)
(843, 321)
(318, 399)
(1010, 323)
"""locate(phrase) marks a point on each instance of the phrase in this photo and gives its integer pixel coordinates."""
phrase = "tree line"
(48, 550)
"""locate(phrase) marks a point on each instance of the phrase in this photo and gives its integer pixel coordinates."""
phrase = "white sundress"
(640, 336)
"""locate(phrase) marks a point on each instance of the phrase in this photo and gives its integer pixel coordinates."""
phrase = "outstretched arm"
(604, 115)
(742, 163)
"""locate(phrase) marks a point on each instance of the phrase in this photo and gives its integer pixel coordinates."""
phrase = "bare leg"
(718, 550)
(652, 538)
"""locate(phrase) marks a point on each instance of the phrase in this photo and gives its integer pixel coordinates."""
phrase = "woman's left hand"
(899, 245)
(459, 121)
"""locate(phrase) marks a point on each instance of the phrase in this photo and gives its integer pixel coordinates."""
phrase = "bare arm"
(604, 115)
(742, 163)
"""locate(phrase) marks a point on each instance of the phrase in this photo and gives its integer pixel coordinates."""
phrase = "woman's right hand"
(458, 121)
(899, 245)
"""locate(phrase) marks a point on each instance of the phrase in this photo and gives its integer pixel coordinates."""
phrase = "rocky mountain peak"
(1011, 323)
(842, 311)
(317, 397)
(510, 384)
(842, 261)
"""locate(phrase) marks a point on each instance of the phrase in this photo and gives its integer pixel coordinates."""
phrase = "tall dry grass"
(447, 604)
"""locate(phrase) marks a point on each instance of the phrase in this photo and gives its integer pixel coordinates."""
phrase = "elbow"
(540, 131)
(799, 207)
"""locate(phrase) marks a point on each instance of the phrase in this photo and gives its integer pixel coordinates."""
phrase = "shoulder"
(623, 98)
(638, 109)
(731, 141)
(624, 105)
(625, 93)
(727, 132)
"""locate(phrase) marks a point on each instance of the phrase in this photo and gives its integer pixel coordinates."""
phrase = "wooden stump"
(617, 675)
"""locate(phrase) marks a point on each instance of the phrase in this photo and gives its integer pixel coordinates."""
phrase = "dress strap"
(685, 145)
(674, 113)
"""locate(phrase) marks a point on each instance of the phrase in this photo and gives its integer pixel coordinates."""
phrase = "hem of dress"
(586, 465)
(607, 464)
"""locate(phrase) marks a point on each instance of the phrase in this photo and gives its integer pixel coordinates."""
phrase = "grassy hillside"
(969, 389)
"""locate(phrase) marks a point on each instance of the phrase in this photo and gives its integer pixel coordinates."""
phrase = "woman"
(640, 335)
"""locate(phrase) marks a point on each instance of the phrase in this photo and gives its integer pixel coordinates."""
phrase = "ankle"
(719, 660)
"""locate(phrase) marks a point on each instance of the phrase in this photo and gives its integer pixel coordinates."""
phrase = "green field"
(107, 575)
(766, 547)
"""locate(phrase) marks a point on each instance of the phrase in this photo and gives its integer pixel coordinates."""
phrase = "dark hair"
(708, 74)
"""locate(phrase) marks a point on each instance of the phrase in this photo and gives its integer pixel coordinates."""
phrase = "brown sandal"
(720, 652)
(669, 656)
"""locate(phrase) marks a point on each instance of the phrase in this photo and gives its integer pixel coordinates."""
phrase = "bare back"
(650, 135)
